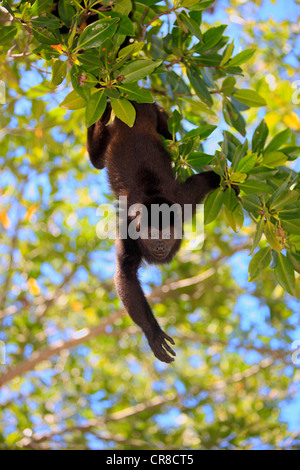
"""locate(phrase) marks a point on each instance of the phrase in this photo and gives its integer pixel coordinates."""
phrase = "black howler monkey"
(139, 167)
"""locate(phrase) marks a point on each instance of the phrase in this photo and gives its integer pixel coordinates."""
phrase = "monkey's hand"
(157, 340)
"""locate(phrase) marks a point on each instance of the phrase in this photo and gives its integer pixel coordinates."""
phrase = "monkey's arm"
(98, 137)
(196, 187)
(133, 298)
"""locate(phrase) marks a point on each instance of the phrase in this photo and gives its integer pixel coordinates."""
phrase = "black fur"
(139, 167)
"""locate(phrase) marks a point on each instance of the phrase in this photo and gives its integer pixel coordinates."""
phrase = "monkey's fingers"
(161, 353)
(171, 340)
(168, 348)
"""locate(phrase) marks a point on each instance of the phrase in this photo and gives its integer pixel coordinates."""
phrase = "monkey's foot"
(160, 347)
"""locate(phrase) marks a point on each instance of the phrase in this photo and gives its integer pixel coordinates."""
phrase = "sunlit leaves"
(272, 236)
(95, 34)
(95, 107)
(73, 101)
(274, 159)
(260, 136)
(213, 205)
(199, 86)
(136, 93)
(278, 140)
(242, 57)
(7, 34)
(260, 261)
(59, 71)
(284, 273)
(124, 110)
(138, 69)
(249, 97)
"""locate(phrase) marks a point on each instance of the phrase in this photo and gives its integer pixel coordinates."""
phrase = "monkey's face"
(160, 246)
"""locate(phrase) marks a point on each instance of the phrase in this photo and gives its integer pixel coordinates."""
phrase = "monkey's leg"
(98, 137)
(133, 298)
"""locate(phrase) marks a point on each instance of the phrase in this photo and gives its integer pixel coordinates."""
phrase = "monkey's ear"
(162, 123)
(98, 137)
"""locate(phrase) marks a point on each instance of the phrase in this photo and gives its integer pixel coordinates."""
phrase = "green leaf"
(285, 275)
(291, 225)
(40, 6)
(123, 6)
(96, 33)
(239, 153)
(242, 57)
(284, 200)
(127, 52)
(203, 132)
(258, 233)
(230, 199)
(274, 159)
(125, 25)
(237, 177)
(228, 85)
(174, 122)
(191, 24)
(233, 117)
(199, 86)
(59, 71)
(261, 260)
(95, 107)
(200, 5)
(260, 136)
(213, 205)
(271, 233)
(198, 159)
(252, 204)
(73, 101)
(48, 22)
(45, 37)
(7, 34)
(292, 151)
(294, 258)
(138, 69)
(66, 11)
(136, 93)
(211, 37)
(249, 97)
(124, 110)
(235, 218)
(247, 163)
(227, 54)
(255, 187)
(281, 189)
(189, 3)
(278, 140)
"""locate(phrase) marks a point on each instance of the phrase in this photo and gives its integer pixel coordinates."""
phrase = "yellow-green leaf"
(124, 110)
(285, 275)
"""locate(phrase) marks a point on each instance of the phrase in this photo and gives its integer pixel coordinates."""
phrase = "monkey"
(140, 168)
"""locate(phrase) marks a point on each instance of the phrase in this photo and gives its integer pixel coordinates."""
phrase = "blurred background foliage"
(78, 374)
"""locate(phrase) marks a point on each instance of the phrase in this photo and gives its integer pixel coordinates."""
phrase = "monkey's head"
(157, 248)
(160, 238)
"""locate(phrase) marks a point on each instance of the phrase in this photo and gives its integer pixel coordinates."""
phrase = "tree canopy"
(76, 373)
